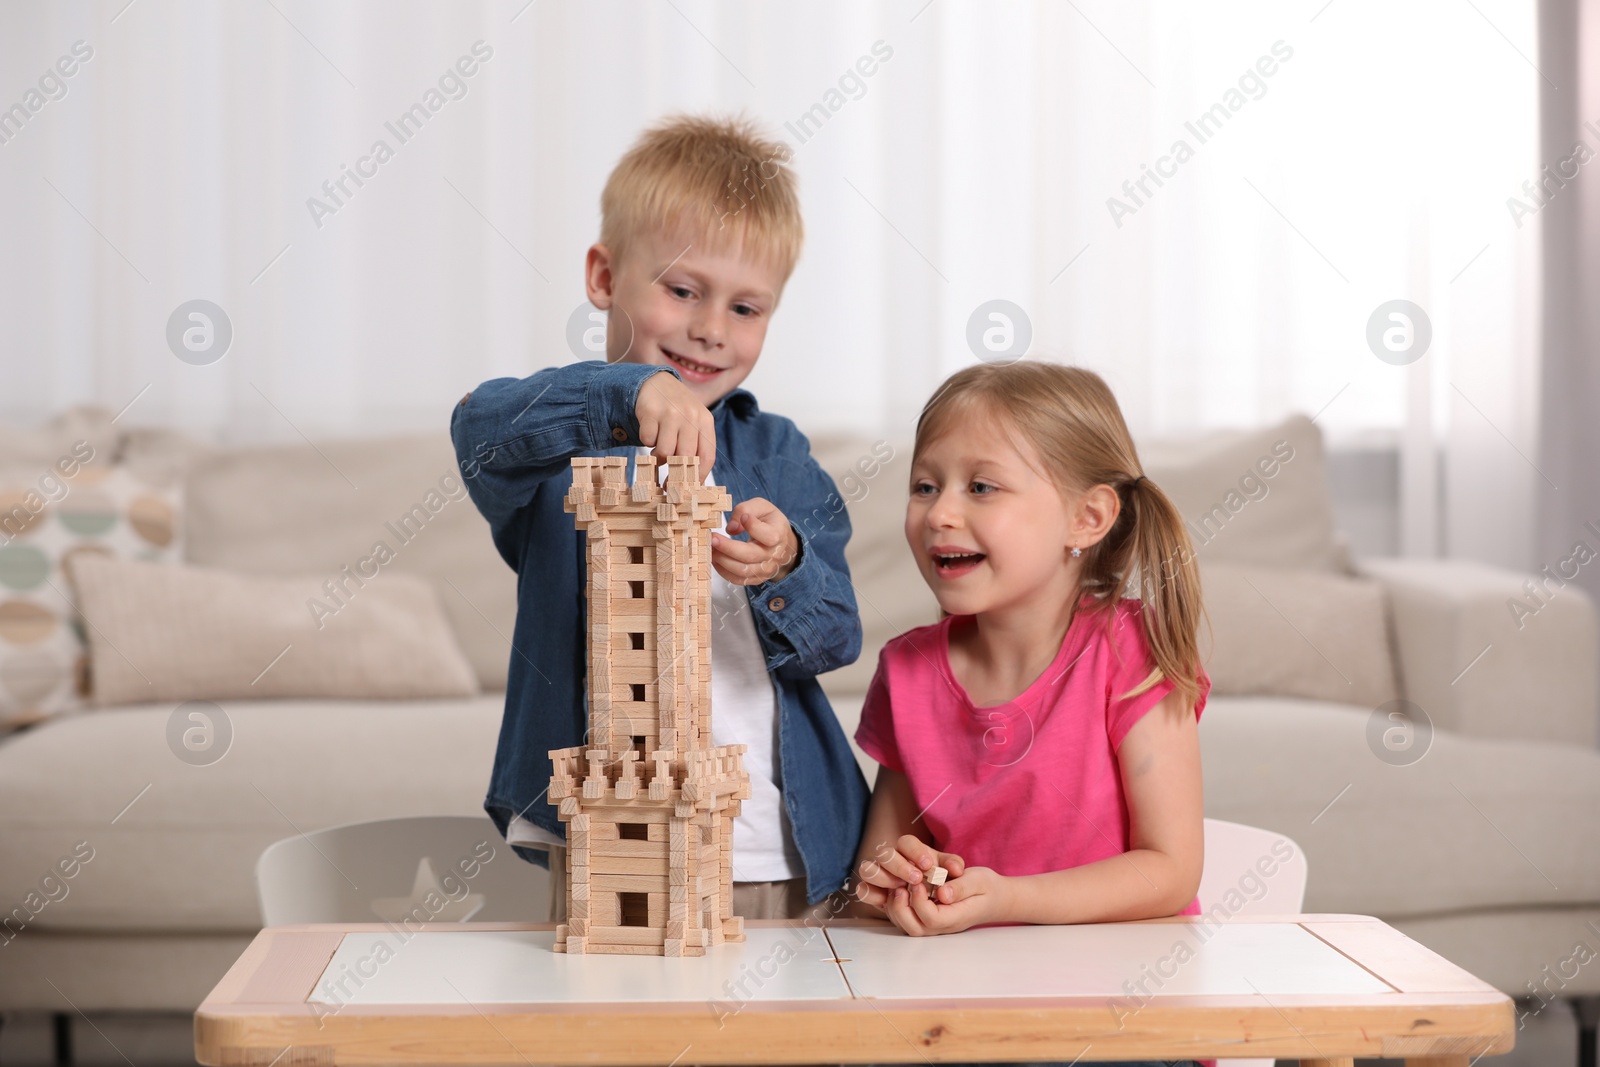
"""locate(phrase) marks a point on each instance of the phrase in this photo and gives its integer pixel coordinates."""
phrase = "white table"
(1323, 988)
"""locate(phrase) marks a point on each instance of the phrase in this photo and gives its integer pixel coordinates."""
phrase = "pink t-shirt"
(1032, 785)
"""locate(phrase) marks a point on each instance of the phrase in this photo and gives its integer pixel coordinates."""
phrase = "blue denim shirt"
(514, 440)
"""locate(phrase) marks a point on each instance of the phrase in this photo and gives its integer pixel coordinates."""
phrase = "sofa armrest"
(1478, 663)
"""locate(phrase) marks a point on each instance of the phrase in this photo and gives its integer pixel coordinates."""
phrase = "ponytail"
(1148, 555)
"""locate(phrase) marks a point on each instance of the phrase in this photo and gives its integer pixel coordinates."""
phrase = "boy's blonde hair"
(1071, 419)
(720, 179)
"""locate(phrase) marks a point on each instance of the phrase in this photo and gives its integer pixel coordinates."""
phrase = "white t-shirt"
(744, 710)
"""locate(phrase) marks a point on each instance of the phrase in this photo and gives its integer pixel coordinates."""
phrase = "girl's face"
(989, 531)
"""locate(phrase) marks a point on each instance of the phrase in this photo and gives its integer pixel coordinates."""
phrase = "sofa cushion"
(80, 503)
(1296, 633)
(1473, 824)
(174, 844)
(1258, 497)
(299, 509)
(168, 633)
(39, 446)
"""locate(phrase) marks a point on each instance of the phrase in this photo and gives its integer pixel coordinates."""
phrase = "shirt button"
(618, 434)
(776, 603)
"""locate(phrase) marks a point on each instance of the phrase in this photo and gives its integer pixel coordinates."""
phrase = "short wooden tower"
(649, 803)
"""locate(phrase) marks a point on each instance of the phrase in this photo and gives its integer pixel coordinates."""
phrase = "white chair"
(1233, 853)
(428, 869)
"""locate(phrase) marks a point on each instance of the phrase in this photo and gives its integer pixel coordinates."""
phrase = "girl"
(1040, 741)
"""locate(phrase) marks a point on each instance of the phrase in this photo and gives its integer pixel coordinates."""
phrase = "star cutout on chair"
(428, 901)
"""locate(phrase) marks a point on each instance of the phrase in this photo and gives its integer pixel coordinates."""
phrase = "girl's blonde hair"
(1072, 422)
(719, 179)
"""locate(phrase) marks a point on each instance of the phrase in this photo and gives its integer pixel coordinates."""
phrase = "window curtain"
(1206, 203)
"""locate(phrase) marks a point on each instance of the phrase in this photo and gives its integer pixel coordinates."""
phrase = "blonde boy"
(700, 230)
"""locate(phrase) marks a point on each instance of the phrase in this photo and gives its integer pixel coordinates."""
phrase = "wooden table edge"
(236, 1026)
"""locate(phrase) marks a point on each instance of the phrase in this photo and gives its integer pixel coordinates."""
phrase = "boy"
(700, 229)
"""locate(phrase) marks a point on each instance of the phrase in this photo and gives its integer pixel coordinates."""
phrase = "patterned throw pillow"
(79, 503)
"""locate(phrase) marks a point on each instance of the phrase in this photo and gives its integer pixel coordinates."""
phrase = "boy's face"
(676, 303)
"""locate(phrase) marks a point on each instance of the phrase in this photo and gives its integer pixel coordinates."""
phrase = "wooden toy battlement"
(649, 803)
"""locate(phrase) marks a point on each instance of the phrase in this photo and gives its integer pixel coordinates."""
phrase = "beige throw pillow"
(1296, 633)
(171, 633)
(1256, 497)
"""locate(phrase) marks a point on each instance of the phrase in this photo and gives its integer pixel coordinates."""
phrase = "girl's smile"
(950, 562)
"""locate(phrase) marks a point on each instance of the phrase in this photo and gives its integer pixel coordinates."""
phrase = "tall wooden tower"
(648, 802)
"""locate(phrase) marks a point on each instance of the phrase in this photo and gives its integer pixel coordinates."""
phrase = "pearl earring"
(1076, 551)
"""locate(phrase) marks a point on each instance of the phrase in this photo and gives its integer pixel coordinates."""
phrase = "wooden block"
(632, 848)
(569, 806)
(625, 935)
(937, 876)
(672, 947)
(660, 831)
(561, 931)
(578, 927)
(675, 929)
(624, 520)
(577, 944)
(576, 893)
(678, 894)
(625, 950)
(578, 909)
(734, 925)
(631, 883)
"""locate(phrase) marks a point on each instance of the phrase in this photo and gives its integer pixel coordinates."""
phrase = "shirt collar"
(741, 402)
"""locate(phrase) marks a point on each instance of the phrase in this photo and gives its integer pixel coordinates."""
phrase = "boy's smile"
(684, 304)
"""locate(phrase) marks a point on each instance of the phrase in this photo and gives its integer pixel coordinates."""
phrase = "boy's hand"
(973, 898)
(902, 866)
(768, 555)
(672, 422)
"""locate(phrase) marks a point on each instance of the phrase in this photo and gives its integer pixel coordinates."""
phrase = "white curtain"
(976, 162)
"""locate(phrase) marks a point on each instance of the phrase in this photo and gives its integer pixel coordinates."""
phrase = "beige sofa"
(1486, 848)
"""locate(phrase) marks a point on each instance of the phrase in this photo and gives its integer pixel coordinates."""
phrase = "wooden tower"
(648, 802)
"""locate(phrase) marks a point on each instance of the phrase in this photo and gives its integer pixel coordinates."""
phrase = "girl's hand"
(905, 864)
(976, 897)
(767, 556)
